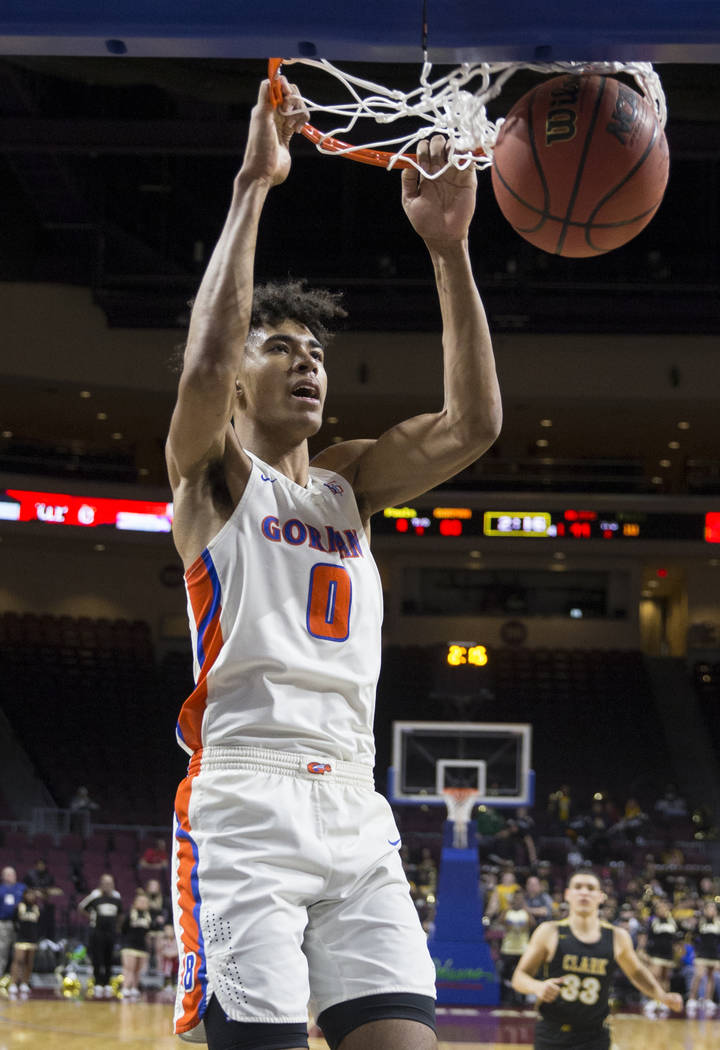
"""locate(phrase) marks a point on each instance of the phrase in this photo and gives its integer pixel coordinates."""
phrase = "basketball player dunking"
(578, 956)
(287, 878)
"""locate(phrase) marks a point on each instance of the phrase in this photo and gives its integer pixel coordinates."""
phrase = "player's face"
(282, 380)
(584, 895)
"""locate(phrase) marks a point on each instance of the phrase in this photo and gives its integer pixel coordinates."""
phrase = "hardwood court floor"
(57, 1024)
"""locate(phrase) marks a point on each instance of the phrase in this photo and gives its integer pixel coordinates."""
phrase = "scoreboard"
(571, 523)
(567, 524)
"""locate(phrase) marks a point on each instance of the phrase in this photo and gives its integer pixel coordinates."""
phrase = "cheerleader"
(707, 960)
(27, 920)
(135, 953)
(659, 949)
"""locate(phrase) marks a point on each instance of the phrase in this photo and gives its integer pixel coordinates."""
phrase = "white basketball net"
(460, 805)
(451, 106)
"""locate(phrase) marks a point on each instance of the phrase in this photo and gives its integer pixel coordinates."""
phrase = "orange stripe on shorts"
(192, 973)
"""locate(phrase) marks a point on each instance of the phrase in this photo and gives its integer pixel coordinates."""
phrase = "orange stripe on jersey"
(193, 971)
(205, 594)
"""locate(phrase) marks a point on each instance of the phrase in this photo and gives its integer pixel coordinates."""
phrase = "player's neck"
(282, 454)
(585, 927)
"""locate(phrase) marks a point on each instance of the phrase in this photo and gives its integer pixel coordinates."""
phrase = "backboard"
(492, 757)
(458, 31)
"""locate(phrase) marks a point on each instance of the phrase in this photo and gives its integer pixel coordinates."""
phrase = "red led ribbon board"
(59, 508)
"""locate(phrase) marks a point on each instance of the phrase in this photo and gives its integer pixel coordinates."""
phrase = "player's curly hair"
(316, 308)
(289, 300)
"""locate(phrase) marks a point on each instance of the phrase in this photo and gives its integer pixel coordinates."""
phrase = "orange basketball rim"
(379, 158)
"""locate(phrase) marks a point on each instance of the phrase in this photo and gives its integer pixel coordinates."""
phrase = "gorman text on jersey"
(295, 532)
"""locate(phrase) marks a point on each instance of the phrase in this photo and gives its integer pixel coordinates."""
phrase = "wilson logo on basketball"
(561, 120)
(624, 115)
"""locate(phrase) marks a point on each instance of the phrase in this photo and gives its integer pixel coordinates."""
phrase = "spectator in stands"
(537, 901)
(608, 910)
(27, 920)
(155, 858)
(633, 809)
(11, 892)
(628, 919)
(488, 823)
(427, 872)
(135, 951)
(104, 907)
(592, 829)
(158, 915)
(685, 906)
(525, 828)
(167, 957)
(671, 807)
(707, 888)
(544, 874)
(41, 879)
(633, 824)
(501, 896)
(560, 806)
(81, 808)
(517, 926)
(651, 879)
(514, 842)
(633, 891)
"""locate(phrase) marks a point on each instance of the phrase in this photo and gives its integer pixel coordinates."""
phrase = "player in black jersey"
(578, 956)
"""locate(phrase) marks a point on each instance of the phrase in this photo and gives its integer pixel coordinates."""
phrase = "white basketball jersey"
(285, 609)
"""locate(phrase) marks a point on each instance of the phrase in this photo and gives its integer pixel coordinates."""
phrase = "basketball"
(580, 165)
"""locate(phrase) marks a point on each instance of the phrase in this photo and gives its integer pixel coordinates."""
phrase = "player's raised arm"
(638, 974)
(541, 947)
(221, 312)
(413, 456)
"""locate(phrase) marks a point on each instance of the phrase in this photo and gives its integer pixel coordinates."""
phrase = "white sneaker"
(97, 991)
(108, 991)
(24, 989)
(663, 1010)
(709, 1007)
(691, 1007)
(649, 1008)
(12, 990)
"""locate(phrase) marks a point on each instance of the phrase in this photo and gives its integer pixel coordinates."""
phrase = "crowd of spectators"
(668, 904)
(137, 932)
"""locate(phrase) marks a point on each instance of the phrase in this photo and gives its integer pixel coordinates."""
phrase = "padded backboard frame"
(374, 31)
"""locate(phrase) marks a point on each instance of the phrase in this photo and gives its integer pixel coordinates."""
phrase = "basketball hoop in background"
(576, 180)
(460, 802)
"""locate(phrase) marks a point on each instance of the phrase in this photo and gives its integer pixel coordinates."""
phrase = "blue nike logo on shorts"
(395, 843)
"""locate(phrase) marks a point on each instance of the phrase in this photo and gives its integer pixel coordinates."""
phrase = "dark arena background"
(569, 580)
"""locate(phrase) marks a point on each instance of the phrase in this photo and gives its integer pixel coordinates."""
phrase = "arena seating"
(584, 704)
(95, 682)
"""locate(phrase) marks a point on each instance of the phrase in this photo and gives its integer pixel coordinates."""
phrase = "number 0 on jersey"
(329, 601)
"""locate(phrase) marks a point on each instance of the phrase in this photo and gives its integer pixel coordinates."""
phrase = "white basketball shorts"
(288, 889)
